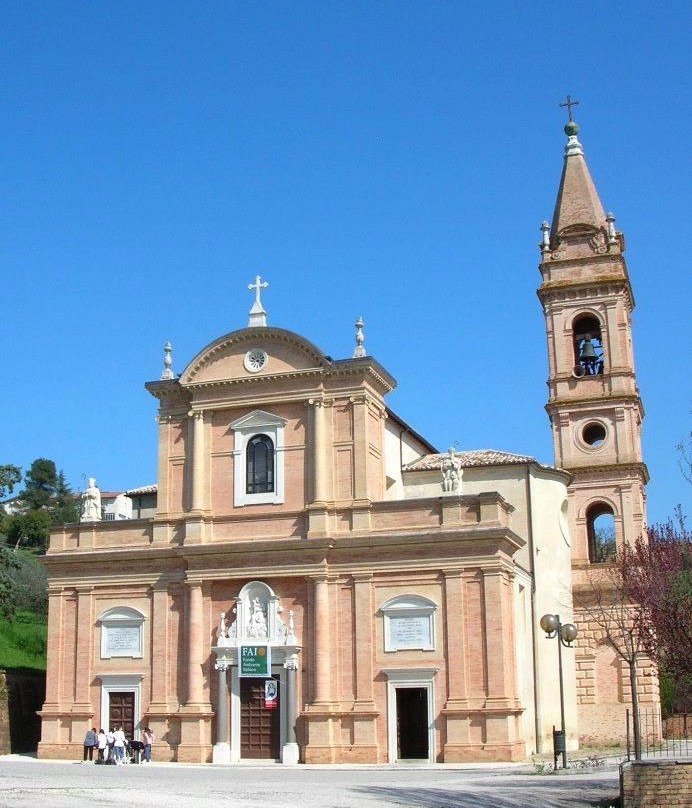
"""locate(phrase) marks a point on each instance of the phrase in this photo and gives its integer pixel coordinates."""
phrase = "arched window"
(259, 466)
(600, 527)
(588, 346)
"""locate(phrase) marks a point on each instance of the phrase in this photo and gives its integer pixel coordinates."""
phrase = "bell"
(587, 350)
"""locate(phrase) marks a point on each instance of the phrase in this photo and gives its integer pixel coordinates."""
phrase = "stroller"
(134, 751)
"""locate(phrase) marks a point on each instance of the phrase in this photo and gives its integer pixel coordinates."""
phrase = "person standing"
(89, 744)
(148, 740)
(102, 745)
(110, 740)
(119, 744)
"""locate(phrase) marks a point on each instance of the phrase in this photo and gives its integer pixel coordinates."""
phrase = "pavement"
(30, 783)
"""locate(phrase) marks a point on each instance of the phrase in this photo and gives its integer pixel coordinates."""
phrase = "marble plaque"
(410, 632)
(123, 641)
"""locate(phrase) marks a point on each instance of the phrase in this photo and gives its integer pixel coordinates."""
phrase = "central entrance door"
(259, 724)
(121, 712)
(412, 723)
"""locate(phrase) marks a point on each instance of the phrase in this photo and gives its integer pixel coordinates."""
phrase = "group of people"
(110, 745)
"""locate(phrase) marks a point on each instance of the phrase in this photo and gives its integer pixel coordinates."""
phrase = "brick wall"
(648, 784)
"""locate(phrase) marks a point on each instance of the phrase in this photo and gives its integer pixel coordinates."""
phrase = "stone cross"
(258, 316)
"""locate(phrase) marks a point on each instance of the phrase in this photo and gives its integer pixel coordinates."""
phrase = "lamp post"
(566, 634)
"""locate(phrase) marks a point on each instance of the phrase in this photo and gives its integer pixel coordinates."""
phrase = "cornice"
(584, 288)
(612, 470)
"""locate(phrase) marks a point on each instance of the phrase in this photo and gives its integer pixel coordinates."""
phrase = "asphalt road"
(28, 783)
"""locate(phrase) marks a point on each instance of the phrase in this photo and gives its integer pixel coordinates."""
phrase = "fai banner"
(254, 660)
(271, 691)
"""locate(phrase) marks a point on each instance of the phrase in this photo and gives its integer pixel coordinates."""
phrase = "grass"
(23, 641)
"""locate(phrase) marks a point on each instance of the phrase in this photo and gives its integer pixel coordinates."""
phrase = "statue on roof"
(451, 466)
(91, 503)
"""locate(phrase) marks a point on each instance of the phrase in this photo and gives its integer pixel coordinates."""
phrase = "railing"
(653, 744)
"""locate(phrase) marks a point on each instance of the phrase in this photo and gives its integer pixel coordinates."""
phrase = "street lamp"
(566, 635)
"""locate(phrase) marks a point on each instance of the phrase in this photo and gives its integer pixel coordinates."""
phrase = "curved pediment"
(253, 353)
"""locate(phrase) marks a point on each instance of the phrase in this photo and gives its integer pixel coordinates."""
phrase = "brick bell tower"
(594, 405)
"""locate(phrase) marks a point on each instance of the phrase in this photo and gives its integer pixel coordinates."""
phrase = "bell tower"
(593, 401)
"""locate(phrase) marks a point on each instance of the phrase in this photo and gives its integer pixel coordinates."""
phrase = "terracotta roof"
(471, 459)
(143, 489)
(577, 198)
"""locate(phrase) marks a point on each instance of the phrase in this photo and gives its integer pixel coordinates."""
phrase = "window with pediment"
(258, 462)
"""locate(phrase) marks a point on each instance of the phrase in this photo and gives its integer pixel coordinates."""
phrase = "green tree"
(29, 529)
(9, 588)
(9, 477)
(64, 507)
(40, 484)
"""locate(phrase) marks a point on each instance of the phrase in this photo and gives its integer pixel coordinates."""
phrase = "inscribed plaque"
(409, 632)
(123, 641)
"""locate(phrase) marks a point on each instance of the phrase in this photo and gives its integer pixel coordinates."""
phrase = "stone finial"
(573, 145)
(360, 339)
(610, 228)
(545, 236)
(258, 316)
(167, 372)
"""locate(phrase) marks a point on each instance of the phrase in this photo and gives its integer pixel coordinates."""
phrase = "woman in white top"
(102, 743)
(119, 745)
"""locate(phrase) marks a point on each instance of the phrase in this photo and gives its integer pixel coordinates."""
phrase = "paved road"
(27, 783)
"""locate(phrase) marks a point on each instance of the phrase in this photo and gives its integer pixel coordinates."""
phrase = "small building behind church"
(310, 580)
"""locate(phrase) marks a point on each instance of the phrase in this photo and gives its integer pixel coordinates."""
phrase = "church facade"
(317, 583)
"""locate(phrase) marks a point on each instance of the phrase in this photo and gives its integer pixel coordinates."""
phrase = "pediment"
(225, 358)
(258, 419)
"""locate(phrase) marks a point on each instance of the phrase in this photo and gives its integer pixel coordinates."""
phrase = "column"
(319, 453)
(164, 422)
(499, 635)
(290, 753)
(455, 628)
(362, 594)
(54, 650)
(360, 447)
(195, 644)
(222, 747)
(197, 417)
(321, 618)
(159, 647)
(84, 646)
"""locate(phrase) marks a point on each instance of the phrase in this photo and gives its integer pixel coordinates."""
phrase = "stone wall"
(603, 687)
(648, 783)
(4, 716)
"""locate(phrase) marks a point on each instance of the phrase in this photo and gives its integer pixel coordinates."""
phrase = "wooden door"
(121, 713)
(412, 722)
(259, 725)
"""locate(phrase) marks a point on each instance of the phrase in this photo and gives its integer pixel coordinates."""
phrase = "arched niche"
(257, 612)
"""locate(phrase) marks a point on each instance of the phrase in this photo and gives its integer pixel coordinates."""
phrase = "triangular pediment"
(258, 419)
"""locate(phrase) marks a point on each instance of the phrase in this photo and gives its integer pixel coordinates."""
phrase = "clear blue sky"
(386, 159)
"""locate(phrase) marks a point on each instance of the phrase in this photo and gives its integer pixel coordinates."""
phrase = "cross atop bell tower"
(593, 401)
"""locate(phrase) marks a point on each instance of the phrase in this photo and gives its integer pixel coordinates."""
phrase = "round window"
(594, 434)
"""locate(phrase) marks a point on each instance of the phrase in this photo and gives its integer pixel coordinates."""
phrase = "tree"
(40, 484)
(9, 477)
(622, 625)
(657, 575)
(30, 528)
(64, 507)
(9, 588)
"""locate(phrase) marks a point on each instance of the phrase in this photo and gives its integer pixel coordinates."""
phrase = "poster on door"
(254, 660)
(271, 691)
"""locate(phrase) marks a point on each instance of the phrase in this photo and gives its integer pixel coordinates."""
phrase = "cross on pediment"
(258, 316)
